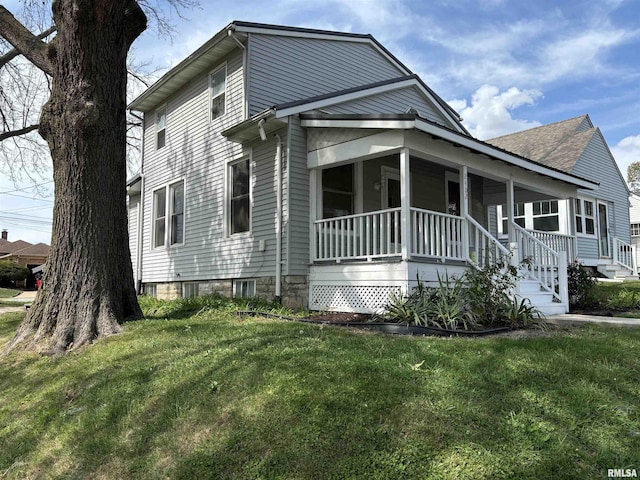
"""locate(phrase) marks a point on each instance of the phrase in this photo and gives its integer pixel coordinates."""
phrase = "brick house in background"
(28, 254)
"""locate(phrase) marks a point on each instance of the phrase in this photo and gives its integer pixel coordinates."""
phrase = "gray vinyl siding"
(597, 158)
(285, 69)
(298, 211)
(133, 206)
(197, 153)
(397, 101)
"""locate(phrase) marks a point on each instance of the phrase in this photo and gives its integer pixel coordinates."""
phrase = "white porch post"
(464, 209)
(405, 203)
(573, 246)
(314, 178)
(515, 259)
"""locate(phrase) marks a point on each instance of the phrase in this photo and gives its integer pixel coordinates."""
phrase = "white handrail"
(484, 248)
(436, 235)
(360, 236)
(624, 254)
(543, 263)
(558, 242)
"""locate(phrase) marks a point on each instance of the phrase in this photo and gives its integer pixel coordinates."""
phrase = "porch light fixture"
(377, 186)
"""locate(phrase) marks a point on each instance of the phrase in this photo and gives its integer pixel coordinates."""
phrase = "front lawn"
(9, 292)
(212, 395)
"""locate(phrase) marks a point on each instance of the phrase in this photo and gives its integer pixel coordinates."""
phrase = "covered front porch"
(392, 205)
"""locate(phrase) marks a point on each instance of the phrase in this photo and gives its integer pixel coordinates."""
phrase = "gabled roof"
(37, 250)
(558, 145)
(223, 42)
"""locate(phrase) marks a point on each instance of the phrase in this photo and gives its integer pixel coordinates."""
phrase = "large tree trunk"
(88, 285)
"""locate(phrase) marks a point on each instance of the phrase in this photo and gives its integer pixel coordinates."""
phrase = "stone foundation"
(295, 289)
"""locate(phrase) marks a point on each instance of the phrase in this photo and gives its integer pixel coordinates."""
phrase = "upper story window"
(168, 215)
(218, 88)
(635, 229)
(161, 127)
(239, 197)
(585, 216)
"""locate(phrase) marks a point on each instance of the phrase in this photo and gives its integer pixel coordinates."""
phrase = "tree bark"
(88, 284)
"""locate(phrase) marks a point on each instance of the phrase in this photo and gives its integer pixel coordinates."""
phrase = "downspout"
(244, 71)
(278, 219)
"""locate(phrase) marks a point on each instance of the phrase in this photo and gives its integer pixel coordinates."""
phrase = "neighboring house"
(594, 226)
(25, 253)
(315, 167)
(634, 217)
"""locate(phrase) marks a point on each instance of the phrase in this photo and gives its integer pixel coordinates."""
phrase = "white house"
(597, 221)
(315, 167)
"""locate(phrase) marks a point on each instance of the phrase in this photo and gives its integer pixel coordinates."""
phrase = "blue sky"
(504, 65)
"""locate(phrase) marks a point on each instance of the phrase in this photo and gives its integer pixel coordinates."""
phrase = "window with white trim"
(518, 216)
(239, 207)
(168, 215)
(585, 216)
(161, 127)
(190, 289)
(150, 290)
(218, 88)
(545, 216)
(635, 229)
(244, 288)
(338, 192)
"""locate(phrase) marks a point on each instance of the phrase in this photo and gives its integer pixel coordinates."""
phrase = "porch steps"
(539, 298)
(617, 272)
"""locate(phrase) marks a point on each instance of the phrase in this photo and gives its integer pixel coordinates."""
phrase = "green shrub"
(12, 272)
(581, 285)
(481, 297)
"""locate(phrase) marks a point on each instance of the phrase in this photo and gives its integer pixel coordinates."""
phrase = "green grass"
(213, 395)
(9, 292)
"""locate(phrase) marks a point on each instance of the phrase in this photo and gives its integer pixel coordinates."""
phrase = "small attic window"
(161, 127)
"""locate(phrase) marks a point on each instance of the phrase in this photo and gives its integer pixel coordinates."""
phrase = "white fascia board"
(322, 36)
(371, 124)
(411, 82)
(486, 149)
(347, 97)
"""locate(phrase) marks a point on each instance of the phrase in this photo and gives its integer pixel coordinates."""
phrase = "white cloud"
(626, 152)
(490, 112)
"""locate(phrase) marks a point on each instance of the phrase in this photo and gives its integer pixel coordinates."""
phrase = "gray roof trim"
(412, 121)
(269, 29)
(182, 73)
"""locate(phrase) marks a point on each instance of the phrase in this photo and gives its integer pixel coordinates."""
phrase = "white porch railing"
(361, 236)
(557, 242)
(436, 235)
(544, 264)
(624, 254)
(484, 248)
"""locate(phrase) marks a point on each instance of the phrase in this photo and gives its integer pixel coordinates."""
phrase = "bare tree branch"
(16, 133)
(22, 39)
(10, 55)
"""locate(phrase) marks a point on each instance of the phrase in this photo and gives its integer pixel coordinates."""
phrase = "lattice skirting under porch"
(350, 298)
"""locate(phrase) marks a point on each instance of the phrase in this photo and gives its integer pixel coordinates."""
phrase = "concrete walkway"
(571, 319)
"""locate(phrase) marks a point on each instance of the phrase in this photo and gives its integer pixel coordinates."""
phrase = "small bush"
(11, 272)
(581, 285)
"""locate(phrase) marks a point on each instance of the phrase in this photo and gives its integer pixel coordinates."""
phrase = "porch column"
(573, 244)
(405, 203)
(511, 233)
(464, 209)
(314, 178)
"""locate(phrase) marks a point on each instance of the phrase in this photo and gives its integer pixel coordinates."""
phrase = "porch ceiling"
(434, 143)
